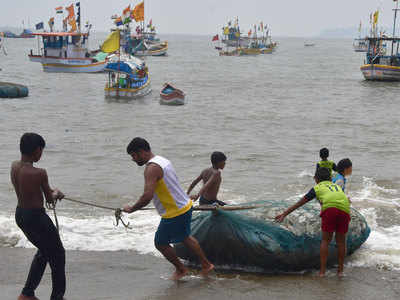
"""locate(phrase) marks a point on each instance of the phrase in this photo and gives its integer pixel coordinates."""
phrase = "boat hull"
(176, 97)
(381, 72)
(174, 101)
(73, 65)
(153, 52)
(124, 93)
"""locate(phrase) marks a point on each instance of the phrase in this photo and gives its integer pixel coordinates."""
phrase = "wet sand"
(128, 275)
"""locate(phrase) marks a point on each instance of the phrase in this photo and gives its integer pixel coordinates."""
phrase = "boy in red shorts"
(335, 215)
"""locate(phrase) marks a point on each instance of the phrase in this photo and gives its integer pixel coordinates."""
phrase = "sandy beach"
(130, 276)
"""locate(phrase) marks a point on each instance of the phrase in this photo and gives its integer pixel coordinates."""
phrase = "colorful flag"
(215, 38)
(71, 12)
(226, 30)
(126, 15)
(138, 12)
(118, 21)
(72, 23)
(262, 26)
(39, 26)
(59, 10)
(249, 33)
(111, 44)
(376, 15)
(151, 22)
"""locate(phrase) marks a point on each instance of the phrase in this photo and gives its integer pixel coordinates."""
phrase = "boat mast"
(394, 25)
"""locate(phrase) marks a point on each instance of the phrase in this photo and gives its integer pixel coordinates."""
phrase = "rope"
(117, 211)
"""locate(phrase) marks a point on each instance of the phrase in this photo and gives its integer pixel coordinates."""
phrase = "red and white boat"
(170, 95)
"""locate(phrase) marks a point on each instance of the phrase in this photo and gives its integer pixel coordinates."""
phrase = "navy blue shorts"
(174, 230)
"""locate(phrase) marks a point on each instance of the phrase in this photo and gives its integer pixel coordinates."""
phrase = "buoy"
(12, 90)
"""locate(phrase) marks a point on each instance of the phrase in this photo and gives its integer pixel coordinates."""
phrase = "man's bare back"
(212, 180)
(30, 183)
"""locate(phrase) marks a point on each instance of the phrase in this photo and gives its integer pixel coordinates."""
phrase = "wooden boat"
(128, 78)
(378, 65)
(170, 95)
(154, 49)
(309, 44)
(66, 52)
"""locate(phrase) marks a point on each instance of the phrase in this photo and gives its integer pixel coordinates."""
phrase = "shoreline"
(129, 275)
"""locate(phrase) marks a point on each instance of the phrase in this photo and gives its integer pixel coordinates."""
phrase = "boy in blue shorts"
(335, 216)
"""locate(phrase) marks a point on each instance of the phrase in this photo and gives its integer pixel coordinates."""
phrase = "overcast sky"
(286, 18)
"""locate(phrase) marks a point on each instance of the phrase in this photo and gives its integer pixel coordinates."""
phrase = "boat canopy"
(126, 67)
(60, 34)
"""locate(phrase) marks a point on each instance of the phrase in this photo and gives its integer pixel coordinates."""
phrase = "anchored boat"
(128, 77)
(67, 52)
(378, 65)
(170, 95)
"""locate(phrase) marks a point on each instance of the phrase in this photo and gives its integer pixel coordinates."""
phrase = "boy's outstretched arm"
(281, 217)
(194, 183)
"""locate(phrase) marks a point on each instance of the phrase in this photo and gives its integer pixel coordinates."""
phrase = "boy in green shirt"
(325, 163)
(335, 216)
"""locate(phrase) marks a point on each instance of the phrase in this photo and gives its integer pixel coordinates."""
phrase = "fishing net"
(244, 239)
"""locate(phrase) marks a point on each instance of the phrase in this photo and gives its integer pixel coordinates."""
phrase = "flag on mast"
(59, 10)
(215, 38)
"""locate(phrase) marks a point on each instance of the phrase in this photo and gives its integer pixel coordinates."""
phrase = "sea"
(270, 115)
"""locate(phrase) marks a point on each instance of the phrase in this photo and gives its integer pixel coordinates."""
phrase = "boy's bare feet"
(23, 297)
(179, 274)
(340, 274)
(206, 270)
(321, 274)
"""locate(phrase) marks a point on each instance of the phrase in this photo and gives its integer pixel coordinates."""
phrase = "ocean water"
(270, 114)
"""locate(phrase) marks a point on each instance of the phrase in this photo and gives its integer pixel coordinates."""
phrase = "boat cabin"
(63, 44)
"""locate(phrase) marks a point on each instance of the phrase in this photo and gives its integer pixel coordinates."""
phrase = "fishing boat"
(67, 52)
(309, 44)
(142, 48)
(144, 42)
(170, 95)
(127, 79)
(378, 65)
(128, 76)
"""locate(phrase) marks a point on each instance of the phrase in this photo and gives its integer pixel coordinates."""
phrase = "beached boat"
(170, 95)
(67, 52)
(309, 44)
(378, 65)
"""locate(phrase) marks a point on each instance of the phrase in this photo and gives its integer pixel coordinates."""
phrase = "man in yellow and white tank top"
(172, 204)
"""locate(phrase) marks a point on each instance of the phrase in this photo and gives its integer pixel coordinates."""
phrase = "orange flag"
(71, 12)
(138, 12)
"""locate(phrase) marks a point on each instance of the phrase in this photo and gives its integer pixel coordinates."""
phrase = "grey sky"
(286, 18)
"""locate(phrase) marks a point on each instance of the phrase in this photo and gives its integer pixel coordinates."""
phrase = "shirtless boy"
(30, 184)
(211, 181)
